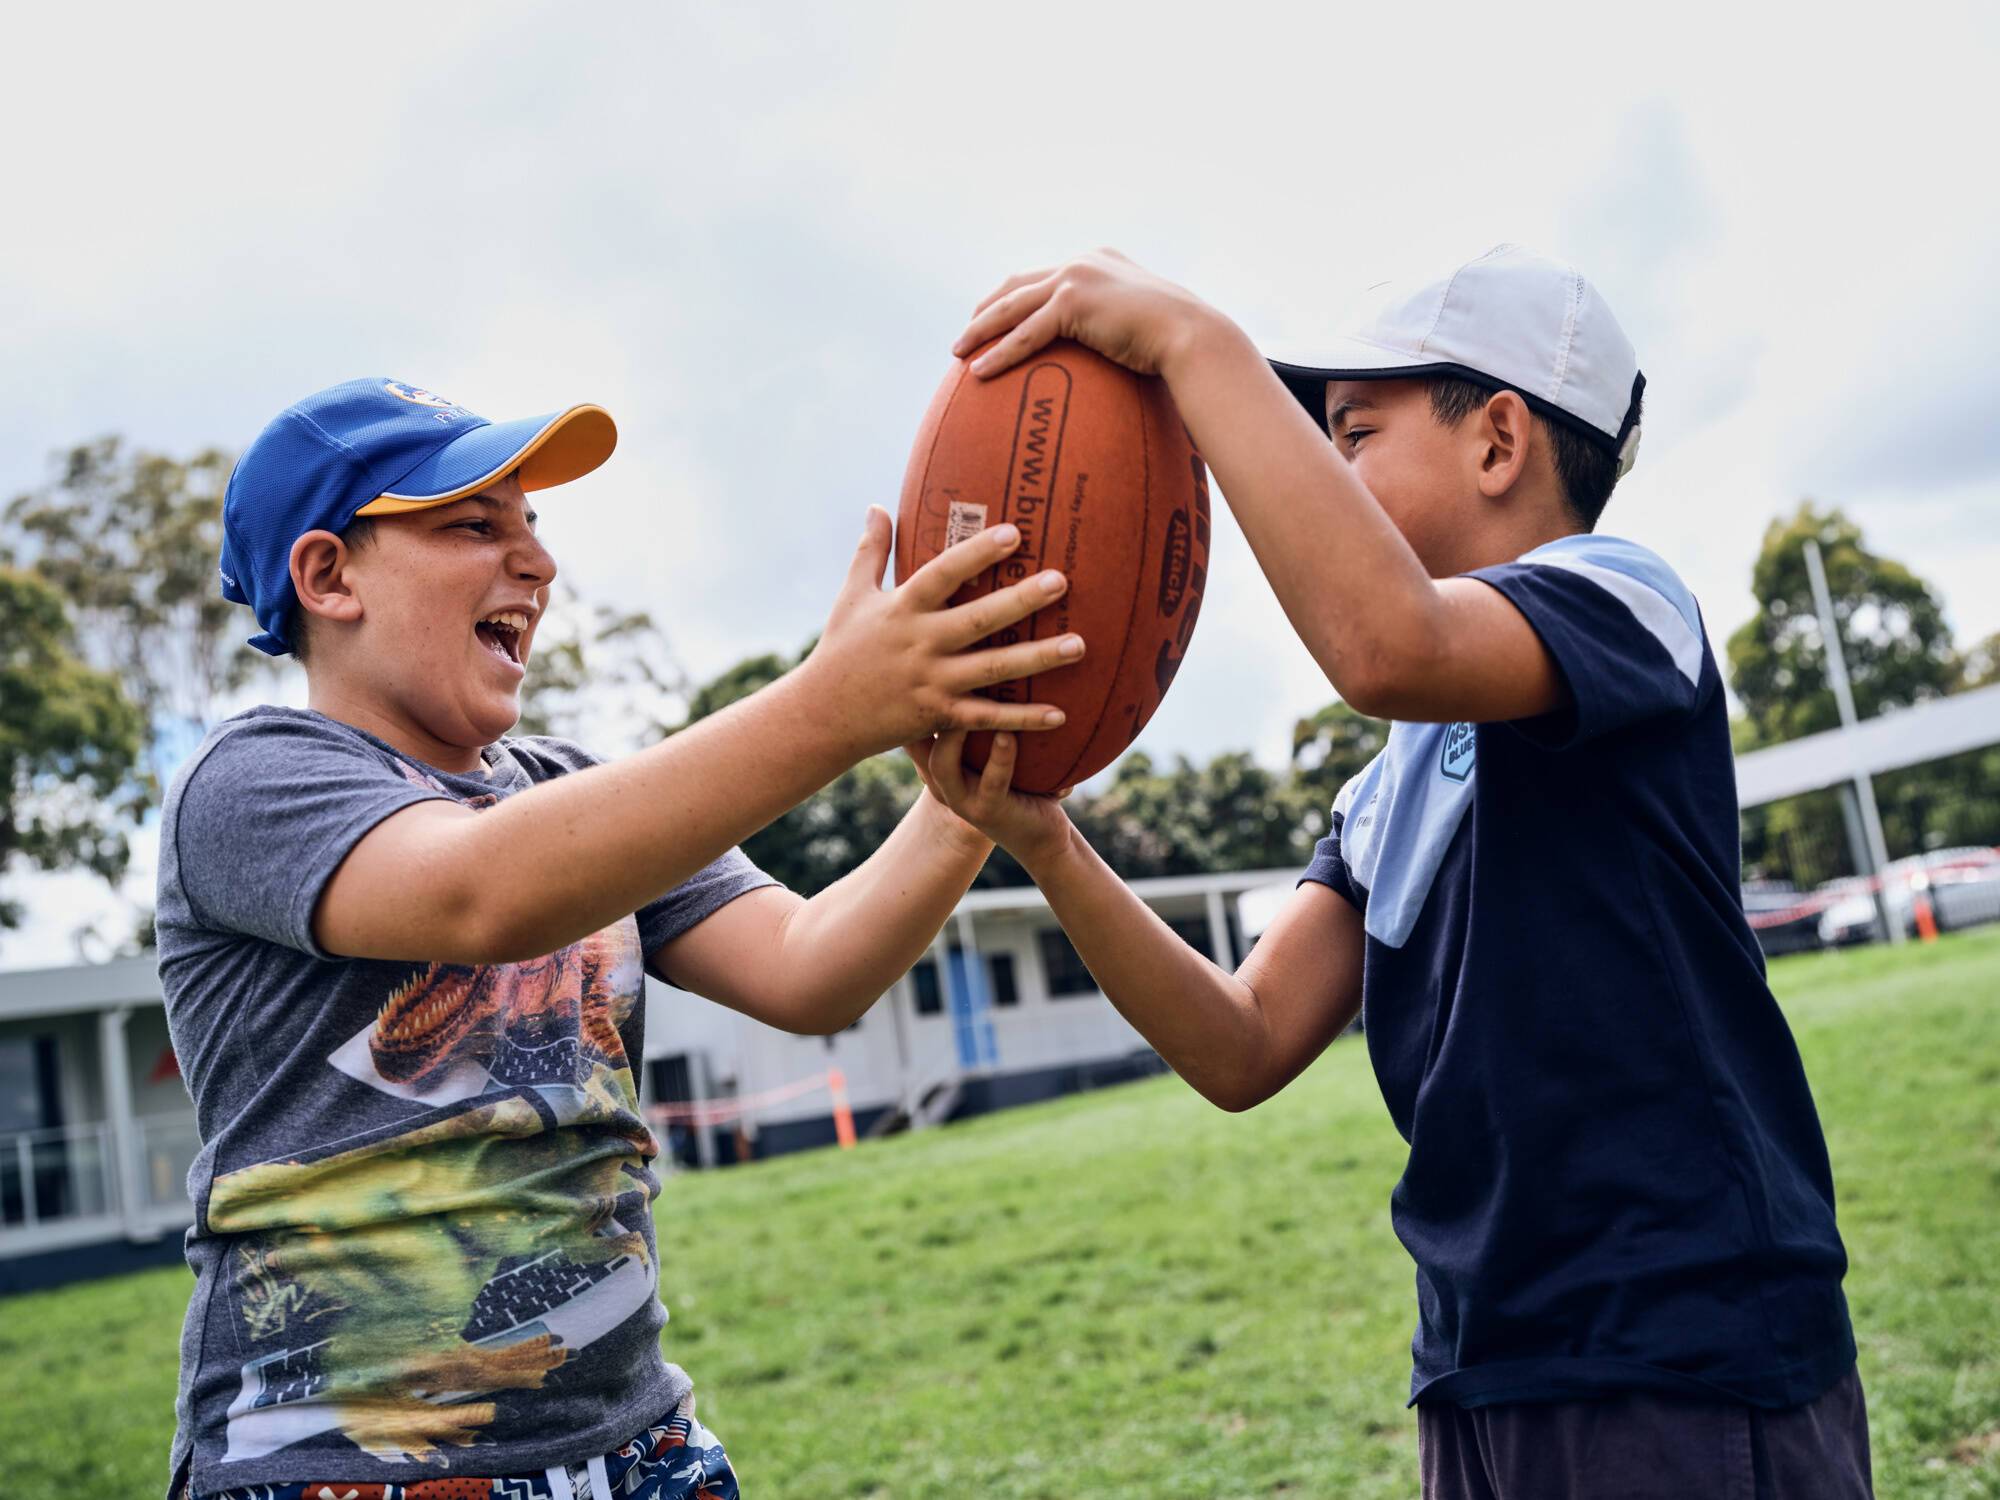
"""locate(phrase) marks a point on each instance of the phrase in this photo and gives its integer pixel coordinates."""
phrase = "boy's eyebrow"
(1352, 403)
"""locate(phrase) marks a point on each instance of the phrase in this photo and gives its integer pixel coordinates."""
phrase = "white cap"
(1509, 319)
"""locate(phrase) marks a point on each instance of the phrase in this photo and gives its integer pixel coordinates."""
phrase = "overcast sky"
(752, 232)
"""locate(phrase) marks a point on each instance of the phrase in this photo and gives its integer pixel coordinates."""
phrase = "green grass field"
(1133, 1294)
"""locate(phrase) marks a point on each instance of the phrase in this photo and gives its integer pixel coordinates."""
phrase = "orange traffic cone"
(843, 1117)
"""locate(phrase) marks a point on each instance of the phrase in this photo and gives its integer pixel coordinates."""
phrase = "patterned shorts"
(675, 1459)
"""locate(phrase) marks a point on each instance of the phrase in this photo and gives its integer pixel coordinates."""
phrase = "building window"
(670, 1079)
(1000, 979)
(924, 979)
(30, 1087)
(1000, 986)
(1065, 970)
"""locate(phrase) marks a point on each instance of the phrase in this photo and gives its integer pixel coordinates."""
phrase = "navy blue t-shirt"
(1616, 1179)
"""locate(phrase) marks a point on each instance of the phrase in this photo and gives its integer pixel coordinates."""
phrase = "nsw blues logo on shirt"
(1455, 760)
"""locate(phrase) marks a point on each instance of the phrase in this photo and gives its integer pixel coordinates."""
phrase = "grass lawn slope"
(1133, 1294)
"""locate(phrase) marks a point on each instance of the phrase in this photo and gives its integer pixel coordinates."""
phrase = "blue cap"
(377, 448)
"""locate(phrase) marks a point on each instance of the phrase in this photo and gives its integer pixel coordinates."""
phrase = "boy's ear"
(1503, 432)
(319, 577)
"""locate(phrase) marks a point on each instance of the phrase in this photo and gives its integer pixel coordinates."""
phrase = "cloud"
(1917, 410)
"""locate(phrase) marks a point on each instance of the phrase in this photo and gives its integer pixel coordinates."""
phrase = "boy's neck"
(1506, 542)
(335, 701)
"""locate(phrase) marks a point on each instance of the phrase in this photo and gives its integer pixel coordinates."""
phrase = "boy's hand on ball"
(1032, 829)
(893, 666)
(1102, 300)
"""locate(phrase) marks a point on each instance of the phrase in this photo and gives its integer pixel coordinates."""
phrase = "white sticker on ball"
(966, 520)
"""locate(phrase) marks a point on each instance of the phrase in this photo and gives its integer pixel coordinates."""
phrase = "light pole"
(1873, 855)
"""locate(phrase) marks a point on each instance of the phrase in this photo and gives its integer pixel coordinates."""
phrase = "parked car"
(1849, 913)
(1784, 918)
(1962, 886)
(1966, 893)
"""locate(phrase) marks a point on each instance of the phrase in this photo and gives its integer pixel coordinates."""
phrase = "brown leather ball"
(1094, 466)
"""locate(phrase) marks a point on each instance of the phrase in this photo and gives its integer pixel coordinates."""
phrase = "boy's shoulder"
(261, 736)
(1618, 565)
(270, 740)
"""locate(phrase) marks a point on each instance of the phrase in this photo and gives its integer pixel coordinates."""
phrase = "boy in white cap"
(1617, 1194)
(403, 954)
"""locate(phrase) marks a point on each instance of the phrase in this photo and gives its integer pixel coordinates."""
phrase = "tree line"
(117, 652)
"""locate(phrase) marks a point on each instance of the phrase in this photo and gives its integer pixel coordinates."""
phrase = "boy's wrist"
(810, 697)
(1047, 860)
(1199, 334)
(952, 831)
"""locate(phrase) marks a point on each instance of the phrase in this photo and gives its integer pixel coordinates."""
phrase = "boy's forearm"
(578, 852)
(842, 950)
(1206, 1023)
(1348, 581)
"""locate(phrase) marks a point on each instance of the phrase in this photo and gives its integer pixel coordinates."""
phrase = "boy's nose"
(536, 562)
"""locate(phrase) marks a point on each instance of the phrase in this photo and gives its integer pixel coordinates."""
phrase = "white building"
(97, 1133)
(1018, 1021)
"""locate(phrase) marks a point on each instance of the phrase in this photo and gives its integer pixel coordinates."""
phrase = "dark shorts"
(1642, 1445)
(675, 1459)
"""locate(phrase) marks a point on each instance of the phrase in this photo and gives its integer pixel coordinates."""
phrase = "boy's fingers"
(998, 773)
(978, 669)
(976, 620)
(871, 554)
(1038, 330)
(940, 578)
(990, 713)
(1011, 284)
(1004, 312)
(947, 765)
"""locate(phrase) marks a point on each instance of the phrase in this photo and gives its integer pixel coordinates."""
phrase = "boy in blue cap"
(403, 954)
(1617, 1195)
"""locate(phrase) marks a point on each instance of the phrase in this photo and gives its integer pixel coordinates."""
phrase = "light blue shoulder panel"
(1400, 815)
(1640, 581)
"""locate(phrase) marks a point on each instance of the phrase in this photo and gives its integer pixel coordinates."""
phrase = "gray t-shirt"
(423, 1237)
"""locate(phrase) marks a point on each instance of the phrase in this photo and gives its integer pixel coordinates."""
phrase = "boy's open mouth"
(501, 632)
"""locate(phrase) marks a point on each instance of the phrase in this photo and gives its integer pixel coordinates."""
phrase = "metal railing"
(69, 1172)
(65, 1172)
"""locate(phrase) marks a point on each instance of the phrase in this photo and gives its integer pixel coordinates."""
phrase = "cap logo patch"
(418, 397)
(1628, 451)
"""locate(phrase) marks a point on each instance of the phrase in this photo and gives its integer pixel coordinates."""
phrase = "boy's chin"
(501, 715)
(490, 714)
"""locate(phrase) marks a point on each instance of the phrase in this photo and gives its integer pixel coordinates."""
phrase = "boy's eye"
(1356, 434)
(474, 525)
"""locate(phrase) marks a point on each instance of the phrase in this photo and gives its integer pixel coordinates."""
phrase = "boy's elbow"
(483, 932)
(1390, 670)
(483, 950)
(1366, 693)
(1393, 680)
(1234, 1093)
(818, 1011)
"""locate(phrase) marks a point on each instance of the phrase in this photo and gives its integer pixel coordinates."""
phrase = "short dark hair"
(358, 533)
(1587, 469)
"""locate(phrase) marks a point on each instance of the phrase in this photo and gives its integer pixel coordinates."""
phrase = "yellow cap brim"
(567, 446)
